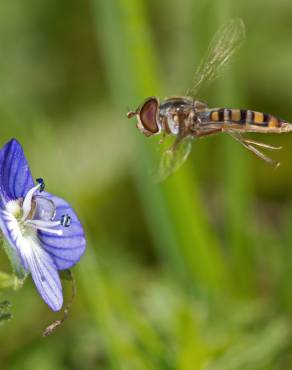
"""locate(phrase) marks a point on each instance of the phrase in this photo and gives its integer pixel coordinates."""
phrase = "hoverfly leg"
(263, 145)
(247, 144)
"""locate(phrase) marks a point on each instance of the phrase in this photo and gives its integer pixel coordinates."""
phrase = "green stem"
(133, 72)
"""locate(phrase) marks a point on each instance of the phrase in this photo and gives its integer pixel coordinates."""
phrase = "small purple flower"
(43, 232)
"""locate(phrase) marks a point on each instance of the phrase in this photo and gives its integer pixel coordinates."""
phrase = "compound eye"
(148, 115)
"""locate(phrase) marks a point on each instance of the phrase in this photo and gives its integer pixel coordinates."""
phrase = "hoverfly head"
(147, 115)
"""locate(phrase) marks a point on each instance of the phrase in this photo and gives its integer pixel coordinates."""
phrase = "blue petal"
(34, 259)
(11, 232)
(67, 249)
(45, 275)
(15, 175)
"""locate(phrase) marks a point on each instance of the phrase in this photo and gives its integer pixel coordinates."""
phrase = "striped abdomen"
(248, 120)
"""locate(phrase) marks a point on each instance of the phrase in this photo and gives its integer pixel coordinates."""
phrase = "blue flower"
(43, 232)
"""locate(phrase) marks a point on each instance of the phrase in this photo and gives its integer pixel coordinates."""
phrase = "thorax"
(179, 114)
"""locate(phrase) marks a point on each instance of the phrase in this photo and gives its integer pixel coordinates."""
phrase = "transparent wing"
(223, 45)
(173, 158)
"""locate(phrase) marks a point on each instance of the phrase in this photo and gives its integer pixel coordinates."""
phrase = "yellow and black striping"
(264, 120)
(244, 117)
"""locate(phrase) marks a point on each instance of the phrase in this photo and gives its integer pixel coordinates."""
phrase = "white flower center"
(32, 213)
(14, 208)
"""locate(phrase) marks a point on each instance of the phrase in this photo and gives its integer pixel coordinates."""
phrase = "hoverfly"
(187, 118)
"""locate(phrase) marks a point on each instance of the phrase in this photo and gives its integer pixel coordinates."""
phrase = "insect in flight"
(187, 118)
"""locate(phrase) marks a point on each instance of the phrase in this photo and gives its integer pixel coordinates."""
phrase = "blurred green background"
(194, 273)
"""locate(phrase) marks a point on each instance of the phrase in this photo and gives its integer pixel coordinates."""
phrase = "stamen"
(58, 232)
(51, 231)
(42, 223)
(65, 220)
(46, 226)
(27, 201)
(42, 184)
